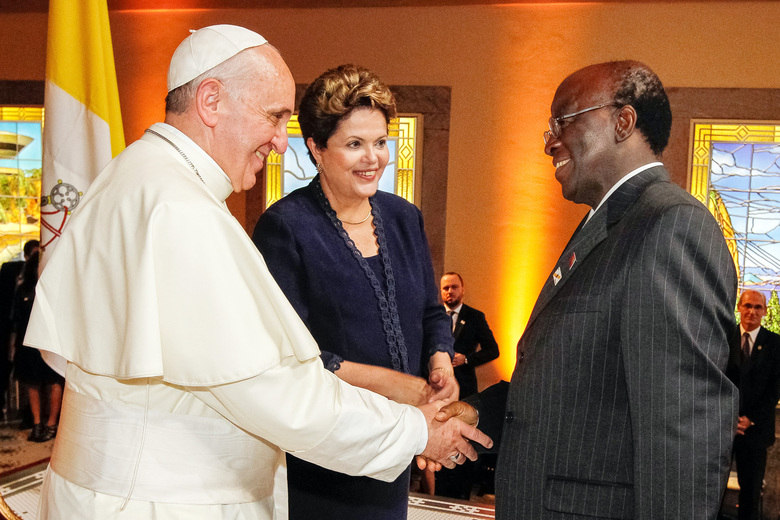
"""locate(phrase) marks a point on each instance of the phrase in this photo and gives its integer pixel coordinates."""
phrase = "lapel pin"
(557, 276)
(572, 259)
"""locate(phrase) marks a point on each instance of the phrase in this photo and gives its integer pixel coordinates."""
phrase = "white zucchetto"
(206, 48)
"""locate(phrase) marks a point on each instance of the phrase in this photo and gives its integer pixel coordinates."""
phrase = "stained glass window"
(20, 177)
(294, 169)
(735, 170)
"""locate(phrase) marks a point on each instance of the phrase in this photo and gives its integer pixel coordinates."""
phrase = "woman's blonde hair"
(334, 95)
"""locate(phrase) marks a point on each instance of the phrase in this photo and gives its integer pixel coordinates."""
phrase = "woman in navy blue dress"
(355, 264)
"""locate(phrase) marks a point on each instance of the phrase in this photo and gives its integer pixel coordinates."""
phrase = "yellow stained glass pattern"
(9, 113)
(21, 139)
(704, 133)
(404, 129)
(729, 172)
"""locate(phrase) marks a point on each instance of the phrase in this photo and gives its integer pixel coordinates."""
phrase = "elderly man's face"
(752, 309)
(583, 152)
(255, 121)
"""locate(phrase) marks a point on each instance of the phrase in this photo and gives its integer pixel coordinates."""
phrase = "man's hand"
(458, 359)
(442, 378)
(743, 424)
(448, 441)
(458, 410)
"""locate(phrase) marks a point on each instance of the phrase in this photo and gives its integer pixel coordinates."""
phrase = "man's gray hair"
(233, 72)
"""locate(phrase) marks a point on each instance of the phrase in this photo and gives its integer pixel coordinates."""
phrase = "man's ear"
(626, 123)
(207, 98)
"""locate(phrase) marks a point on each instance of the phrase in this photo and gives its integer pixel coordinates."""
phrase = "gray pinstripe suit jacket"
(619, 406)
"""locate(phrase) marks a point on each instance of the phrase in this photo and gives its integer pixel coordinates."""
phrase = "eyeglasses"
(555, 122)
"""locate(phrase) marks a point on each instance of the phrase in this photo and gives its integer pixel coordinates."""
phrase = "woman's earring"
(319, 169)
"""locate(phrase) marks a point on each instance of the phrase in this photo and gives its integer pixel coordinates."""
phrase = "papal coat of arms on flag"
(83, 123)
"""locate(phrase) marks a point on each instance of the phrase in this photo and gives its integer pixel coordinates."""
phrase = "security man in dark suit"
(474, 341)
(754, 367)
(474, 346)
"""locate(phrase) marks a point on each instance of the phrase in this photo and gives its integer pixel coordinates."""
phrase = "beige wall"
(506, 220)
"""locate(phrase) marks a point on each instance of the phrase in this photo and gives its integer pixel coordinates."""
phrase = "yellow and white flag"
(83, 123)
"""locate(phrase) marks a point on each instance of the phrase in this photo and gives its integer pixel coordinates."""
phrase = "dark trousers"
(456, 482)
(750, 457)
(5, 379)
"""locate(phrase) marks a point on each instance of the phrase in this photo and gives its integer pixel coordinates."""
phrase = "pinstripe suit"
(618, 406)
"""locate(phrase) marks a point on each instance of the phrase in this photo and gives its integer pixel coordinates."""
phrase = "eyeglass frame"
(555, 122)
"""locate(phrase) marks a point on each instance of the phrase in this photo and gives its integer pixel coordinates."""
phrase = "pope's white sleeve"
(308, 411)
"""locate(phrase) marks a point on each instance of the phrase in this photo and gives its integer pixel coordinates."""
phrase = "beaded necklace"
(386, 300)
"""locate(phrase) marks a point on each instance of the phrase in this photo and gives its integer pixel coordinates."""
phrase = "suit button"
(509, 417)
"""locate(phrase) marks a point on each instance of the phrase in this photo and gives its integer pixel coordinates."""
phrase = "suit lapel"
(588, 235)
(585, 238)
(758, 347)
(462, 316)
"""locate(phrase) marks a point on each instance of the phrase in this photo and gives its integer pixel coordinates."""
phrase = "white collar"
(216, 180)
(753, 333)
(455, 309)
(619, 183)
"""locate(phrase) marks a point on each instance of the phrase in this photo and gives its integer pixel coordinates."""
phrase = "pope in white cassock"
(188, 371)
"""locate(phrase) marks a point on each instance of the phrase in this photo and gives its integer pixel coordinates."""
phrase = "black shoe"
(49, 432)
(27, 419)
(36, 433)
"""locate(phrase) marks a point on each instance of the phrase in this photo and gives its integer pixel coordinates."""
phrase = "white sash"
(126, 451)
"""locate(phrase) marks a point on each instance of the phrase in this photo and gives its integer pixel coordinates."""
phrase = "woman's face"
(355, 157)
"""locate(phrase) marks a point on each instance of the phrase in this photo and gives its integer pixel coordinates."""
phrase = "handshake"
(450, 428)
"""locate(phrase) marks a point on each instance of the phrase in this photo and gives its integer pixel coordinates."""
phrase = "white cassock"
(188, 370)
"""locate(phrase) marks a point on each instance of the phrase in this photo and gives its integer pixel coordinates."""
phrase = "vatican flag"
(82, 121)
(82, 128)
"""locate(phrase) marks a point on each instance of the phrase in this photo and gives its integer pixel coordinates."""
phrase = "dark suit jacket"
(619, 406)
(758, 381)
(472, 331)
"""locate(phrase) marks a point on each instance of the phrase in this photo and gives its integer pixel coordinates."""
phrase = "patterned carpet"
(20, 460)
(21, 492)
(16, 451)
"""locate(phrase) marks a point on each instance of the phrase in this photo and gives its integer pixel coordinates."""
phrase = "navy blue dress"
(327, 286)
